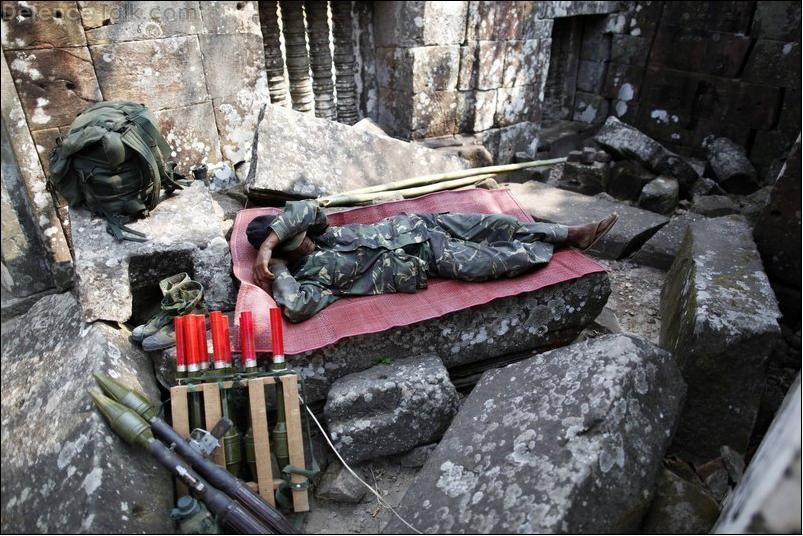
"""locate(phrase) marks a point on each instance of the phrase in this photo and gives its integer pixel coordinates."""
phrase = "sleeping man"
(311, 264)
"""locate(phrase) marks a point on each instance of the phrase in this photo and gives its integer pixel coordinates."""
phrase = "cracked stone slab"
(390, 408)
(534, 321)
(114, 279)
(720, 320)
(660, 250)
(570, 440)
(635, 226)
(295, 154)
(64, 469)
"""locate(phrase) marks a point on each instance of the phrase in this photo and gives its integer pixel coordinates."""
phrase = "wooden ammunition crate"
(266, 483)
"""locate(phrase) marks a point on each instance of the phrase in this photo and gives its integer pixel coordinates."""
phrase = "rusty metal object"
(295, 42)
(347, 111)
(320, 58)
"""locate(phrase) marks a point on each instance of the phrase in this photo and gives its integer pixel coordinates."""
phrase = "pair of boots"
(181, 296)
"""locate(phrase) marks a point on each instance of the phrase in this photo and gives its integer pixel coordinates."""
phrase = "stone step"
(570, 440)
(635, 226)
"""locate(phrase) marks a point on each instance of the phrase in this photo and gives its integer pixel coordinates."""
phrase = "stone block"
(643, 22)
(338, 485)
(289, 157)
(42, 25)
(434, 114)
(591, 76)
(233, 65)
(394, 69)
(729, 165)
(719, 16)
(717, 303)
(768, 152)
(713, 206)
(523, 63)
(64, 469)
(159, 73)
(484, 110)
(777, 231)
(489, 64)
(509, 20)
(516, 105)
(551, 10)
(54, 85)
(110, 22)
(531, 322)
(630, 50)
(588, 179)
(767, 498)
(417, 456)
(236, 120)
(192, 134)
(590, 108)
(118, 280)
(445, 22)
(660, 250)
(230, 18)
(481, 20)
(45, 141)
(394, 112)
(596, 44)
(659, 195)
(496, 470)
(435, 68)
(399, 24)
(680, 506)
(516, 138)
(627, 179)
(687, 49)
(777, 20)
(390, 408)
(634, 227)
(754, 106)
(534, 28)
(623, 82)
(774, 63)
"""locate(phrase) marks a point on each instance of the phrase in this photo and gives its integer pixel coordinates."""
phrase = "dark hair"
(258, 230)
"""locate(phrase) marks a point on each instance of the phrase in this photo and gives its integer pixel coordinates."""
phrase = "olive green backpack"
(114, 161)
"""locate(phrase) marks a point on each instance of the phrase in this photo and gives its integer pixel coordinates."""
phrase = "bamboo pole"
(424, 180)
(350, 198)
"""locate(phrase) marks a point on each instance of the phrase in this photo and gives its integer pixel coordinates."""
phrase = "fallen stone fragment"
(729, 164)
(529, 322)
(571, 440)
(627, 179)
(418, 456)
(660, 195)
(588, 179)
(117, 280)
(713, 205)
(64, 469)
(716, 304)
(768, 498)
(706, 186)
(369, 125)
(628, 142)
(297, 154)
(550, 204)
(389, 409)
(660, 250)
(338, 485)
(752, 206)
(680, 507)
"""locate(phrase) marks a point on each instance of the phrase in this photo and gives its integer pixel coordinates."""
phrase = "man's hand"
(262, 273)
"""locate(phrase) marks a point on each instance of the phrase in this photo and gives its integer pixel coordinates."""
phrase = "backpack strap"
(142, 118)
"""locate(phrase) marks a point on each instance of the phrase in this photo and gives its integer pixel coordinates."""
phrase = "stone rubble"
(64, 469)
(730, 166)
(680, 507)
(717, 305)
(390, 408)
(713, 206)
(659, 195)
(660, 250)
(571, 440)
(338, 485)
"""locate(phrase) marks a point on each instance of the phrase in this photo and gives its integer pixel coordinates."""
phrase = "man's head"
(290, 249)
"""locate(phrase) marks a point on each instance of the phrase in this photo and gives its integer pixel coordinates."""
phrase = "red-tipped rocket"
(221, 348)
(181, 356)
(191, 349)
(248, 353)
(200, 334)
(277, 337)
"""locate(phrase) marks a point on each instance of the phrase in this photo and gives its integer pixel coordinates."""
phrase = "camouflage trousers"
(479, 247)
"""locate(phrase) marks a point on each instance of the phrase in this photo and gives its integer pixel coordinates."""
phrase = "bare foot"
(585, 236)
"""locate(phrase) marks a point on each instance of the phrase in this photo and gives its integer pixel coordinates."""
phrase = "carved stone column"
(344, 62)
(298, 67)
(320, 58)
(274, 62)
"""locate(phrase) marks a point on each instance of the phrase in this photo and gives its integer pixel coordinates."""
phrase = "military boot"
(181, 295)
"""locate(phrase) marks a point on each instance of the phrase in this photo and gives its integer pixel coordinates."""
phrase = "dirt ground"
(636, 297)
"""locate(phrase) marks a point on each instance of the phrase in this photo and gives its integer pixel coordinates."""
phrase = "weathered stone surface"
(54, 85)
(716, 304)
(730, 166)
(774, 63)
(706, 186)
(338, 485)
(627, 142)
(192, 134)
(445, 22)
(434, 113)
(571, 440)
(390, 408)
(115, 279)
(777, 231)
(233, 63)
(417, 456)
(159, 73)
(399, 24)
(236, 120)
(660, 250)
(590, 107)
(523, 63)
(42, 25)
(680, 507)
(634, 227)
(515, 105)
(768, 498)
(591, 76)
(230, 17)
(64, 469)
(713, 205)
(777, 20)
(435, 68)
(114, 22)
(288, 156)
(588, 179)
(627, 179)
(630, 50)
(660, 195)
(534, 321)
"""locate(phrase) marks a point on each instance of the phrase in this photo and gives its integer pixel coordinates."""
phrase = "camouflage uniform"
(399, 253)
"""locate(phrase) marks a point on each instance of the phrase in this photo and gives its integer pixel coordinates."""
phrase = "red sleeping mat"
(370, 314)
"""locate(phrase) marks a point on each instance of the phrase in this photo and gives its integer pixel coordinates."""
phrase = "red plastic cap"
(247, 348)
(277, 337)
(181, 356)
(190, 343)
(200, 334)
(221, 346)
